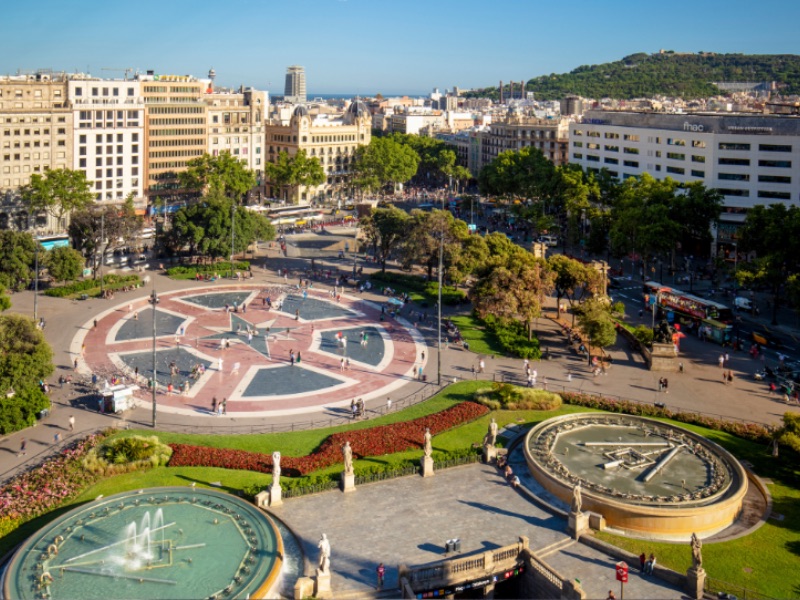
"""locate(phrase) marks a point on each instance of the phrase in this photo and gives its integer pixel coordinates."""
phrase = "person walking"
(224, 406)
(23, 445)
(214, 404)
(57, 438)
(71, 422)
(381, 572)
(388, 405)
(666, 385)
(721, 361)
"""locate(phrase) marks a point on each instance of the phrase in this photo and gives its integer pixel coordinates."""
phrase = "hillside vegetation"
(669, 74)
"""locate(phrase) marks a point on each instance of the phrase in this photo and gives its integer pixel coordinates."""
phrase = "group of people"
(357, 407)
(646, 564)
(663, 385)
(219, 408)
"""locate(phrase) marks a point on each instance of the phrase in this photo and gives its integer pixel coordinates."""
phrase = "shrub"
(513, 337)
(450, 295)
(124, 455)
(506, 396)
(110, 282)
(182, 270)
(643, 334)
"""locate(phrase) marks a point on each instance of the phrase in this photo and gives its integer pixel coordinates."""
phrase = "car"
(548, 240)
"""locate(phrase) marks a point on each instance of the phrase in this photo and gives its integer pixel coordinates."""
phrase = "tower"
(295, 88)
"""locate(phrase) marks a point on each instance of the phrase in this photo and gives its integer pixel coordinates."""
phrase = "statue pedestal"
(663, 358)
(489, 454)
(262, 499)
(323, 585)
(303, 588)
(578, 524)
(695, 581)
(348, 482)
(427, 466)
(275, 495)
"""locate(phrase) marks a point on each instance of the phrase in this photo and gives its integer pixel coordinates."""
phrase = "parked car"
(548, 240)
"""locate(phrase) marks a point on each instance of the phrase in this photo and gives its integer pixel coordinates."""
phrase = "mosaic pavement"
(237, 342)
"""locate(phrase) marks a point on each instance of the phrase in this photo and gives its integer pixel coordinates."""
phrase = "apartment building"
(108, 136)
(331, 139)
(236, 125)
(36, 126)
(518, 131)
(176, 130)
(750, 158)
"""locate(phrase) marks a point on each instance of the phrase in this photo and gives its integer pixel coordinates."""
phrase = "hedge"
(513, 337)
(221, 267)
(110, 282)
(430, 289)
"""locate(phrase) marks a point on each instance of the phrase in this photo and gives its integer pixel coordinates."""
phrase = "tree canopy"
(64, 263)
(58, 191)
(384, 161)
(16, 259)
(385, 228)
(293, 171)
(223, 174)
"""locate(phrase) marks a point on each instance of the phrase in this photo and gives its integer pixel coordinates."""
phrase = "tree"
(512, 286)
(385, 228)
(223, 174)
(696, 208)
(64, 264)
(382, 162)
(206, 227)
(595, 319)
(576, 189)
(574, 280)
(16, 259)
(58, 192)
(422, 240)
(5, 301)
(770, 232)
(25, 359)
(101, 230)
(293, 171)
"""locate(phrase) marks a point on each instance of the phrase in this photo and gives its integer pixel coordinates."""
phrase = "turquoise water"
(161, 543)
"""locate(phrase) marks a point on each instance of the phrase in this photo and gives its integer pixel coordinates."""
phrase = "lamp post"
(154, 300)
(102, 251)
(439, 306)
(36, 281)
(233, 229)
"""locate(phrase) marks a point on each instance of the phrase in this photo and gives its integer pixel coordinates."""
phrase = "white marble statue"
(324, 554)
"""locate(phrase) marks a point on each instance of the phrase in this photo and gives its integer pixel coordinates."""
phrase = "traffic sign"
(622, 572)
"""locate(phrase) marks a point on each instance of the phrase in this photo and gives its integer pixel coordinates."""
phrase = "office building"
(750, 158)
(108, 136)
(295, 88)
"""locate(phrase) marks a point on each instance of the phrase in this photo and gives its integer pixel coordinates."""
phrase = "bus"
(685, 304)
(48, 242)
(297, 214)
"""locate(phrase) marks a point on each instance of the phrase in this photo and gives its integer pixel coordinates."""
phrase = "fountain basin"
(646, 478)
(166, 543)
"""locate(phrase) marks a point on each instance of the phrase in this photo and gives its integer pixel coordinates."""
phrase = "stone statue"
(576, 499)
(276, 468)
(324, 554)
(491, 435)
(662, 334)
(697, 554)
(347, 452)
(427, 445)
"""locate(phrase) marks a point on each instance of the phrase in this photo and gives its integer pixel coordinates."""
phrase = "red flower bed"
(375, 441)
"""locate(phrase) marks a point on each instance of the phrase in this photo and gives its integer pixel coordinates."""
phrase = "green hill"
(670, 74)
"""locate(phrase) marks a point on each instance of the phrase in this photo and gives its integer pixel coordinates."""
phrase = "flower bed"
(374, 441)
(747, 431)
(47, 486)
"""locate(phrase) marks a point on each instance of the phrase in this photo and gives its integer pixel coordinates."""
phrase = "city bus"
(293, 215)
(686, 305)
(48, 242)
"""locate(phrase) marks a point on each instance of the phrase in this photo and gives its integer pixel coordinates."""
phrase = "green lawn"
(770, 554)
(481, 341)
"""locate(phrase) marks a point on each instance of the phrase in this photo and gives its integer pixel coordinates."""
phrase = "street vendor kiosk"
(117, 398)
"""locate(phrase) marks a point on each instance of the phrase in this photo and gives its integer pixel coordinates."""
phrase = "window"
(698, 159)
(595, 134)
(741, 162)
(733, 146)
(611, 136)
(698, 144)
(611, 161)
(612, 148)
(577, 155)
(577, 144)
(676, 170)
(631, 163)
(676, 156)
(79, 91)
(775, 195)
(778, 164)
(630, 150)
(82, 139)
(740, 193)
(774, 148)
(630, 138)
(593, 146)
(700, 174)
(130, 91)
(95, 91)
(674, 142)
(774, 179)
(734, 177)
(592, 158)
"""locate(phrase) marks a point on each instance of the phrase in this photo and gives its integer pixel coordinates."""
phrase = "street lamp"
(439, 305)
(36, 280)
(233, 229)
(154, 300)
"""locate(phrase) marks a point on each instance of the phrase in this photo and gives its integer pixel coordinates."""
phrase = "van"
(742, 303)
(549, 240)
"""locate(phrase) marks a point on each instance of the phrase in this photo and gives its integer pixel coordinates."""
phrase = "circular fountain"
(643, 476)
(156, 543)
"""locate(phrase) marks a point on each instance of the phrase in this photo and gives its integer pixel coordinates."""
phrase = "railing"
(725, 590)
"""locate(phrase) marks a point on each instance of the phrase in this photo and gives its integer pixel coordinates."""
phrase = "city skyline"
(351, 47)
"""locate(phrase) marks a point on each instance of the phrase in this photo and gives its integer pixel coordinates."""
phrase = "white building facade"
(108, 136)
(749, 158)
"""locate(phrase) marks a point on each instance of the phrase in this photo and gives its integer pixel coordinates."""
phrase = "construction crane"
(126, 71)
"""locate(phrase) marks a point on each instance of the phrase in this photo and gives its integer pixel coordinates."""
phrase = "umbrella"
(394, 301)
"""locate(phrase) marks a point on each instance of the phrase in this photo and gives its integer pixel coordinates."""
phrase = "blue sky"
(371, 46)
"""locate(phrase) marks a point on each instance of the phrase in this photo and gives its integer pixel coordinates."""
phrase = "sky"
(376, 46)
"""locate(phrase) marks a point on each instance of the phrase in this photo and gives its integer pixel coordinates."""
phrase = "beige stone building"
(36, 126)
(518, 131)
(331, 139)
(236, 125)
(176, 130)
